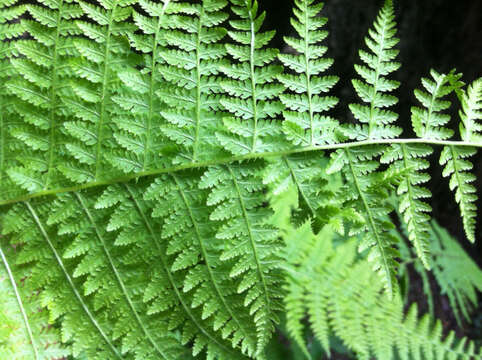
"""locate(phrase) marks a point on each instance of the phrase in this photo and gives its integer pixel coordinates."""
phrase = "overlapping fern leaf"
(342, 295)
(108, 318)
(304, 122)
(253, 89)
(25, 331)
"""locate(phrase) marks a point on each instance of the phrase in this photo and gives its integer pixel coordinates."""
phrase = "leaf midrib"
(233, 159)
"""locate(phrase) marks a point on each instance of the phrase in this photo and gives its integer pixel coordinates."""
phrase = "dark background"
(439, 34)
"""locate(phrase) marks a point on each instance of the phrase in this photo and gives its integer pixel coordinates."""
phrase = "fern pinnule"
(471, 112)
(141, 142)
(304, 123)
(252, 88)
(192, 67)
(366, 192)
(104, 51)
(376, 120)
(457, 166)
(428, 122)
(408, 165)
(43, 65)
(251, 243)
(10, 28)
(195, 252)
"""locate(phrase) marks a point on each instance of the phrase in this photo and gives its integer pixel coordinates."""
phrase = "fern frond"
(408, 165)
(471, 112)
(24, 330)
(304, 122)
(457, 166)
(195, 252)
(10, 28)
(43, 64)
(252, 244)
(252, 87)
(104, 52)
(375, 118)
(343, 295)
(192, 66)
(141, 141)
(366, 192)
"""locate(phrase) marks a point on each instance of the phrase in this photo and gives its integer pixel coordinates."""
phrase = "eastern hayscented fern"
(165, 195)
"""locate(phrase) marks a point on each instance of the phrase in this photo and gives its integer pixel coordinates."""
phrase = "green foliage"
(140, 146)
(342, 296)
(456, 273)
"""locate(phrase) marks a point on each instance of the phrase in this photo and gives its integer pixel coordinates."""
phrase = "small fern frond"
(376, 120)
(250, 243)
(252, 87)
(192, 67)
(471, 112)
(304, 122)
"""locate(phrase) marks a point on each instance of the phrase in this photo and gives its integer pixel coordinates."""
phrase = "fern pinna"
(166, 194)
